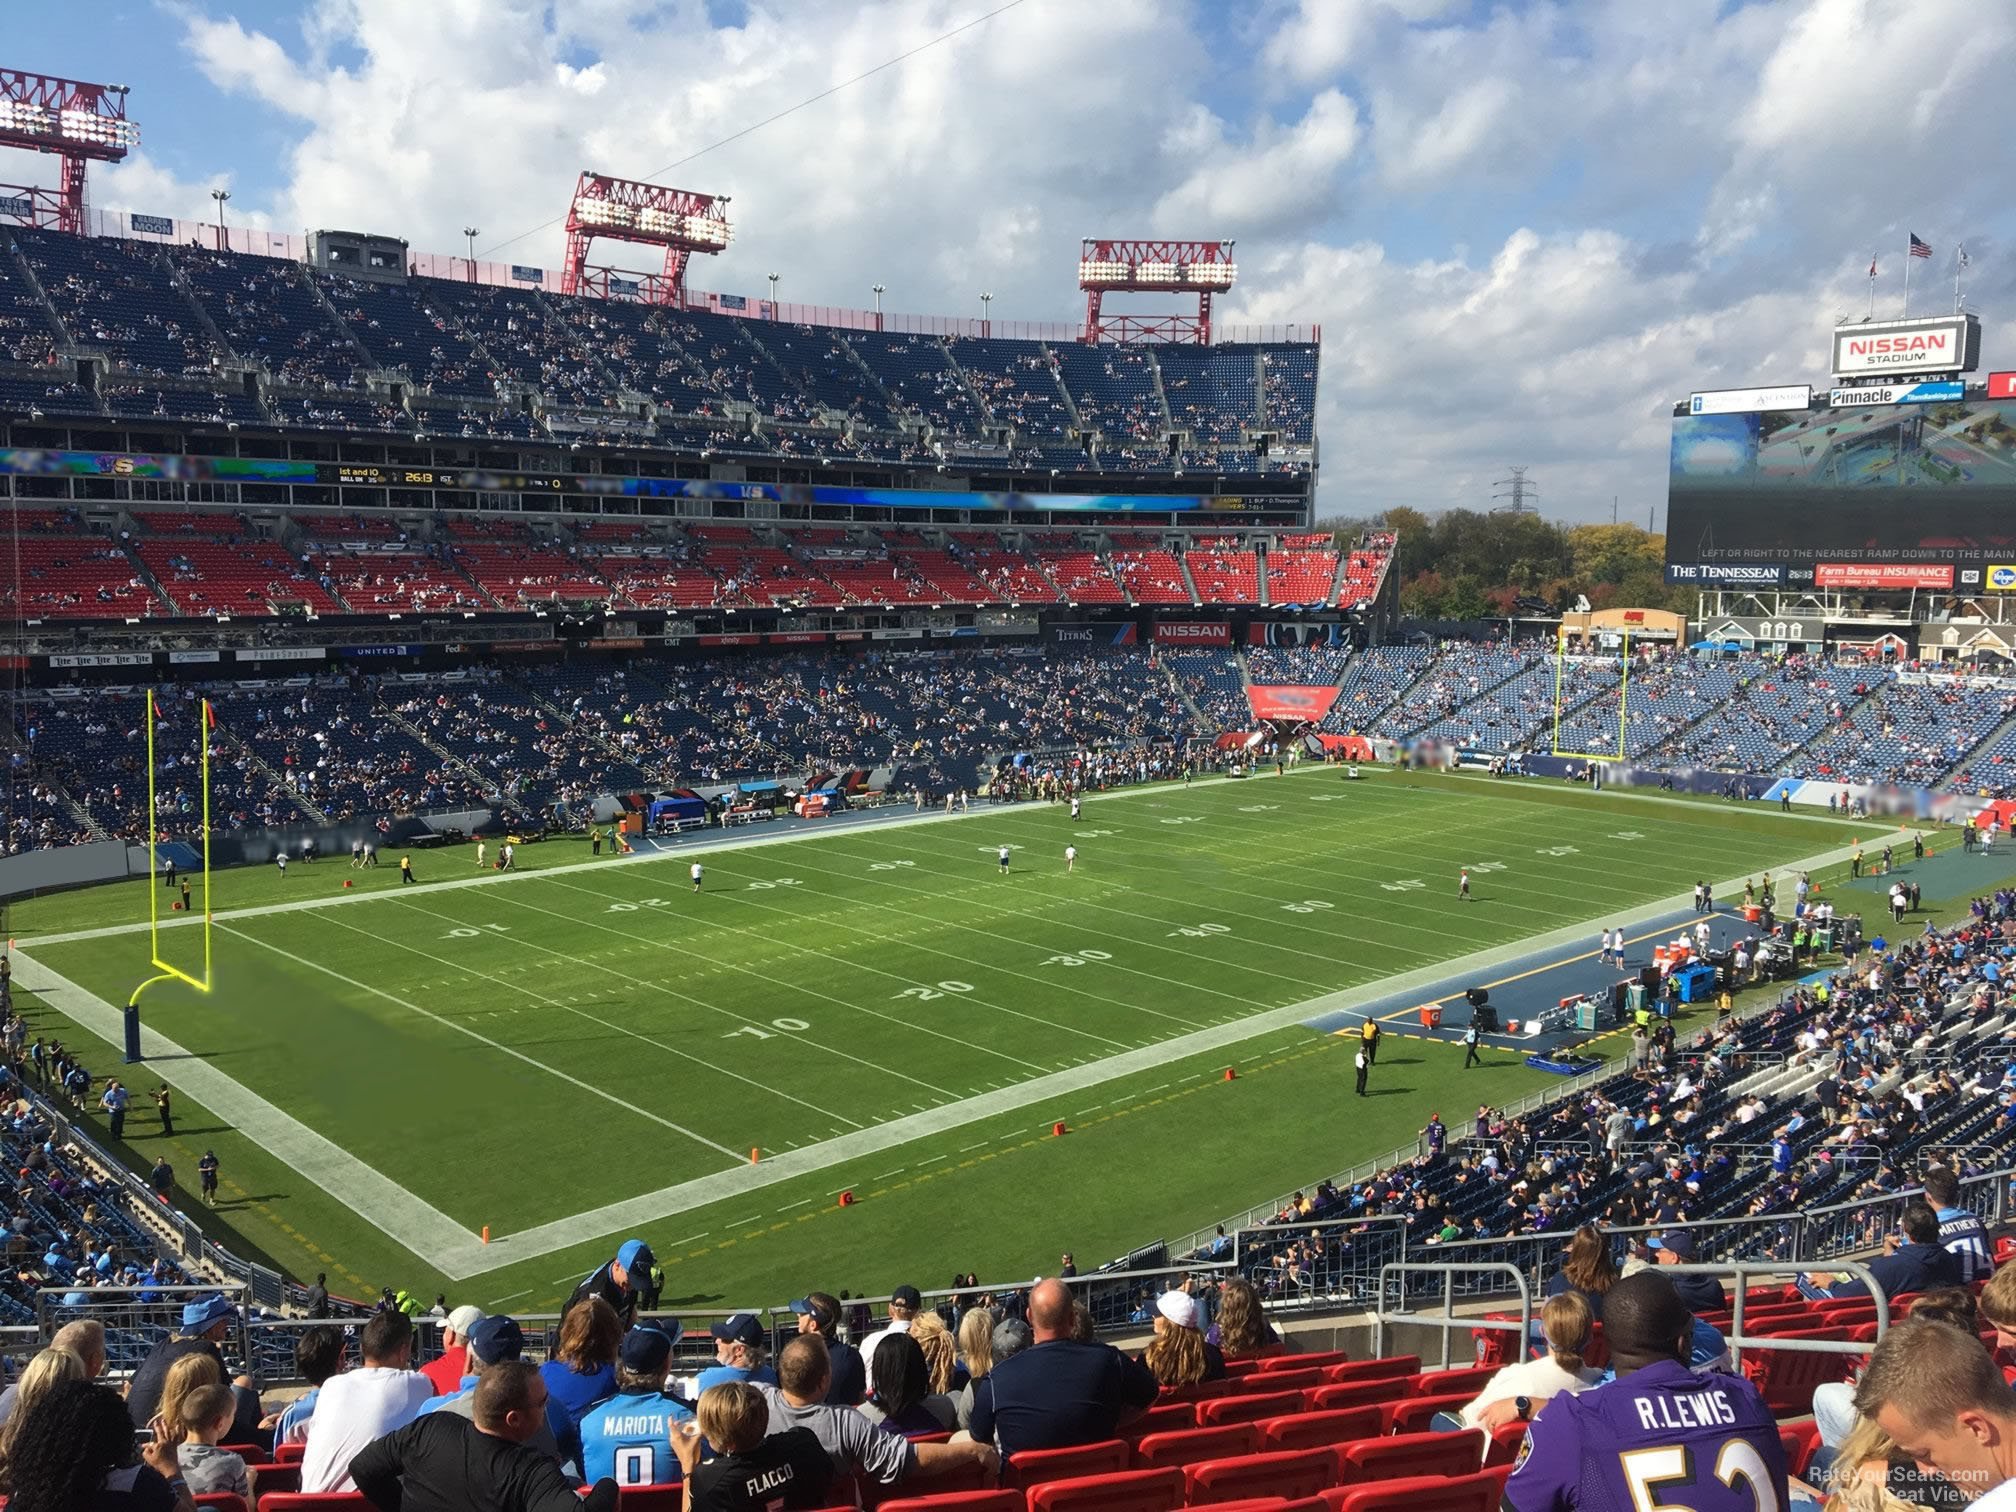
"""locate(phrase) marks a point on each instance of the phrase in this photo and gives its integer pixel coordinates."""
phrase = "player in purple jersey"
(1660, 1435)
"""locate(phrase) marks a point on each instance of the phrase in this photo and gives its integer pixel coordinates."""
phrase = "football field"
(589, 1049)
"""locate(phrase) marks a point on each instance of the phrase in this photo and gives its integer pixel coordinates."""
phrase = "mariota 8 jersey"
(628, 1438)
(1662, 1439)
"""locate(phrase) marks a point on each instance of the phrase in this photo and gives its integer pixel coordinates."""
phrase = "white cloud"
(1283, 175)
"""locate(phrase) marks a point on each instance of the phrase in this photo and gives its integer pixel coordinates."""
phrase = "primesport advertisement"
(1874, 496)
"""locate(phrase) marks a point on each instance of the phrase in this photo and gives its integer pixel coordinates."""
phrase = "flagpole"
(1907, 281)
(1872, 288)
(1959, 262)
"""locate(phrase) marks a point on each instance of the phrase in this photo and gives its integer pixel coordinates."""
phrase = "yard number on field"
(1200, 931)
(780, 882)
(1308, 906)
(888, 865)
(1408, 884)
(937, 990)
(467, 932)
(1185, 819)
(1557, 850)
(640, 903)
(788, 1025)
(1626, 835)
(1081, 958)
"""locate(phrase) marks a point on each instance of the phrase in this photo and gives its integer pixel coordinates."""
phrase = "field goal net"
(1592, 680)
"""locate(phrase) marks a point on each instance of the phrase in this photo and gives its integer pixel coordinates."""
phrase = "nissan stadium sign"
(1751, 401)
(1881, 349)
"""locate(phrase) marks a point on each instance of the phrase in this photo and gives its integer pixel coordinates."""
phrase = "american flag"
(1919, 248)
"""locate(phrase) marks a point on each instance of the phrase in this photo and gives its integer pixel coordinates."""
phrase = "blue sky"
(1525, 228)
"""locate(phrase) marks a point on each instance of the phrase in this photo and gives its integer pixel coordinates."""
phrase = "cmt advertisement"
(1943, 344)
(1926, 488)
(1193, 633)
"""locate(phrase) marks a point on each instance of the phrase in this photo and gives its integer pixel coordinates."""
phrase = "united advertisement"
(1880, 495)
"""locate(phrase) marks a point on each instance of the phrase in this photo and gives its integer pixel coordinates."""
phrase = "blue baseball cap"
(739, 1328)
(648, 1349)
(206, 1312)
(497, 1338)
(635, 1255)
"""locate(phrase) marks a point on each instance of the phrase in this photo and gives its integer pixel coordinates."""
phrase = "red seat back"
(1312, 1430)
(957, 1501)
(1131, 1491)
(1412, 1454)
(252, 1454)
(1504, 1445)
(1374, 1370)
(1320, 1361)
(1032, 1467)
(314, 1501)
(284, 1478)
(1158, 1450)
(1412, 1414)
(1289, 1473)
(1358, 1393)
(1247, 1366)
(223, 1501)
(1203, 1391)
(1172, 1418)
(1426, 1493)
(1249, 1407)
(1469, 1379)
(650, 1498)
(284, 1453)
(1280, 1380)
(1800, 1441)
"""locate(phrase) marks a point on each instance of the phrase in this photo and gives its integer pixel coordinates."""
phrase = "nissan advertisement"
(1879, 496)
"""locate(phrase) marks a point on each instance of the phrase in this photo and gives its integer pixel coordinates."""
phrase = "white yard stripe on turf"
(403, 1217)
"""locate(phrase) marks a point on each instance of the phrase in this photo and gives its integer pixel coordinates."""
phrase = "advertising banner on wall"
(1086, 633)
(1940, 391)
(2002, 385)
(1791, 396)
(1942, 344)
(280, 653)
(1726, 574)
(1194, 633)
(1886, 575)
(1292, 702)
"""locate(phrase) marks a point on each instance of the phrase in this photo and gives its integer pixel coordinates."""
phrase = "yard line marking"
(579, 1013)
(790, 1205)
(398, 1214)
(1093, 1109)
(500, 1301)
(887, 1174)
(838, 1190)
(968, 1149)
(448, 1023)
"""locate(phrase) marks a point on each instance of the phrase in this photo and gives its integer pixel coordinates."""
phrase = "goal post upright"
(166, 970)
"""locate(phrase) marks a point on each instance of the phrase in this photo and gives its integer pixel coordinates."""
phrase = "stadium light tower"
(79, 123)
(1110, 265)
(679, 220)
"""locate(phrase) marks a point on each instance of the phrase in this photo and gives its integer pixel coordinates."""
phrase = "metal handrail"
(1446, 1320)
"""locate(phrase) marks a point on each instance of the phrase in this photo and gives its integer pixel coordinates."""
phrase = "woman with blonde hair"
(38, 1378)
(941, 1363)
(1242, 1330)
(1565, 1323)
(184, 1377)
(1178, 1355)
(976, 1355)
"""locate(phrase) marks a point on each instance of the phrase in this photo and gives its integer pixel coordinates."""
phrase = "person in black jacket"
(1700, 1293)
(445, 1463)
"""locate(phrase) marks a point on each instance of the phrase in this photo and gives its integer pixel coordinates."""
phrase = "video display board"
(1876, 495)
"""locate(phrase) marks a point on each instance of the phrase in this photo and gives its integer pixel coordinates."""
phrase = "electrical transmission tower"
(1517, 493)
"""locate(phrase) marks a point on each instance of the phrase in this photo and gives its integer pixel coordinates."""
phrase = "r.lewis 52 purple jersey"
(1658, 1440)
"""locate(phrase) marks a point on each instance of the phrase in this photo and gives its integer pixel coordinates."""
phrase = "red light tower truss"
(1108, 265)
(678, 220)
(76, 122)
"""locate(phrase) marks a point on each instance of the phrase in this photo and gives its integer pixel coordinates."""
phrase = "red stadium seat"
(1313, 1430)
(1358, 1393)
(1411, 1454)
(1504, 1445)
(283, 1453)
(252, 1454)
(1468, 1379)
(1271, 1504)
(651, 1498)
(1787, 1378)
(1249, 1408)
(1203, 1391)
(314, 1501)
(1800, 1441)
(1424, 1493)
(1281, 1380)
(1321, 1361)
(1412, 1414)
(1158, 1450)
(1245, 1367)
(1380, 1369)
(956, 1501)
(1131, 1491)
(284, 1478)
(1173, 1417)
(1290, 1473)
(1032, 1467)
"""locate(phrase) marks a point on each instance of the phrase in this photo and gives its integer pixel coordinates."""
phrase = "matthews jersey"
(1967, 1242)
(1661, 1437)
(628, 1437)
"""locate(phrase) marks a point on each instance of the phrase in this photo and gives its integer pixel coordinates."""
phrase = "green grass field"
(590, 1049)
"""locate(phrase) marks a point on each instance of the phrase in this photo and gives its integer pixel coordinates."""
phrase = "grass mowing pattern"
(656, 1032)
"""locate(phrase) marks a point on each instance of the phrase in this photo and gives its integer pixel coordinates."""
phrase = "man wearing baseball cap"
(1698, 1294)
(628, 1437)
(903, 1305)
(448, 1368)
(205, 1322)
(620, 1282)
(738, 1354)
(495, 1341)
(819, 1313)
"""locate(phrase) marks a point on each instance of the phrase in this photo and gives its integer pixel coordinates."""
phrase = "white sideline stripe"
(871, 819)
(632, 1213)
(404, 1218)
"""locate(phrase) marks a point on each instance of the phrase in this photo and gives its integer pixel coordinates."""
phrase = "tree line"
(1463, 564)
